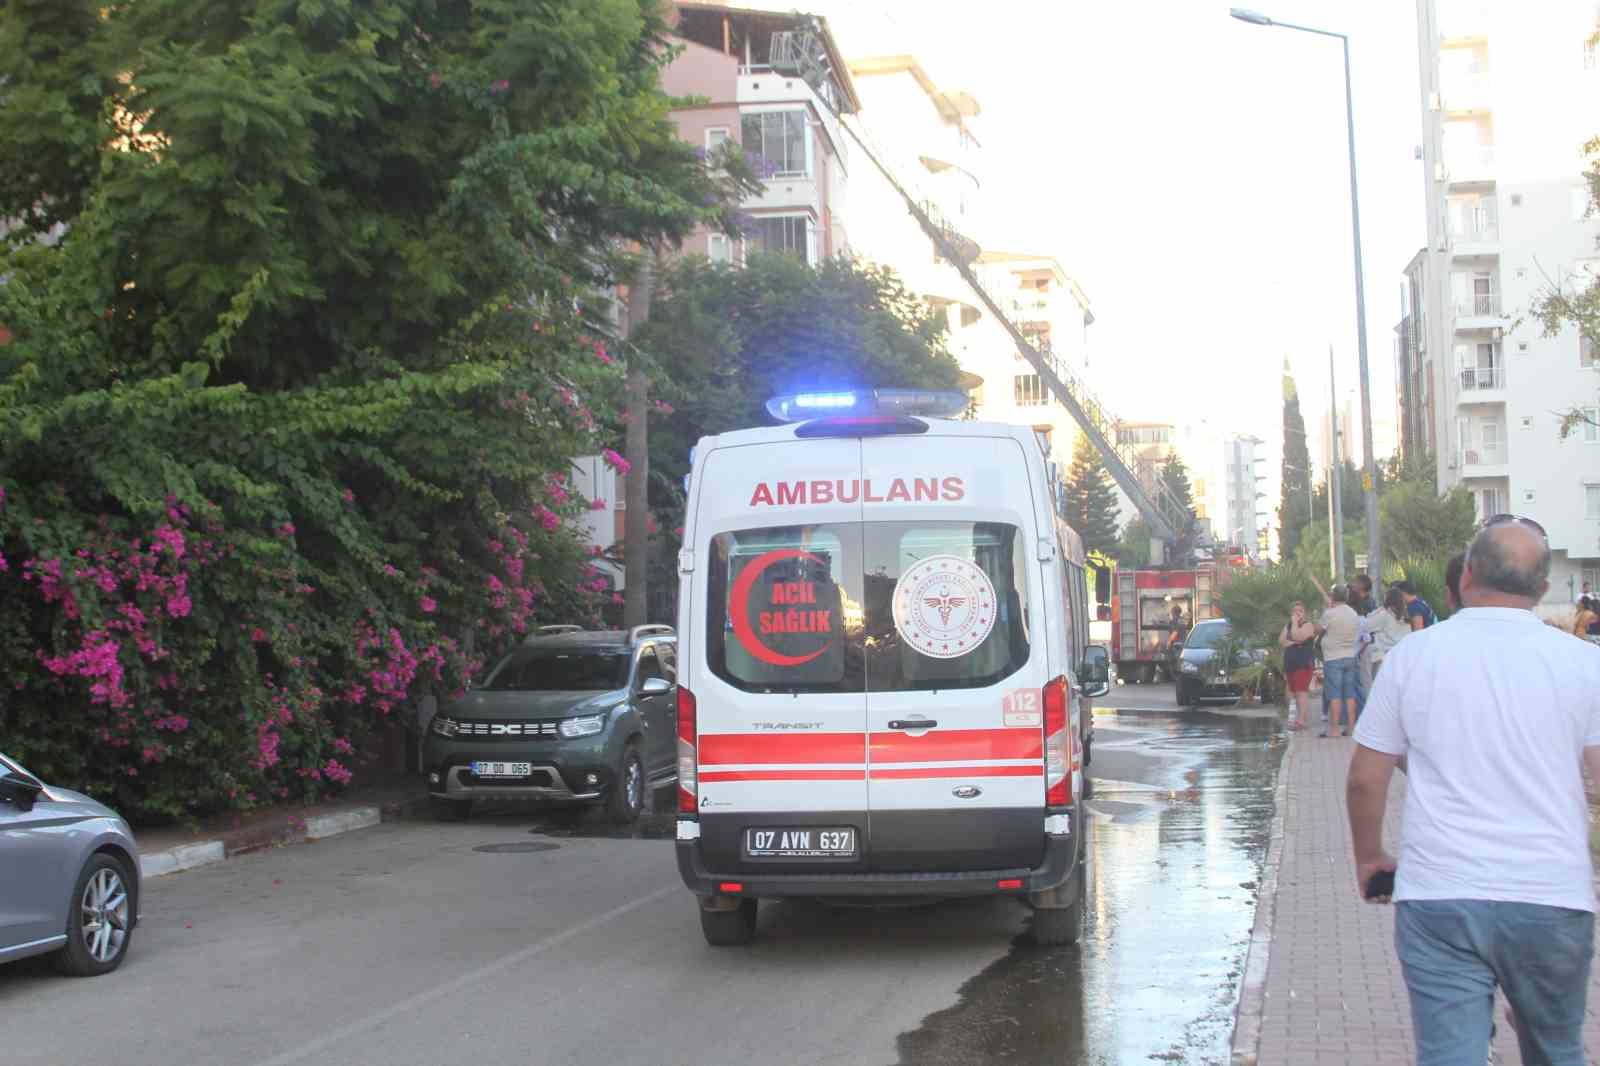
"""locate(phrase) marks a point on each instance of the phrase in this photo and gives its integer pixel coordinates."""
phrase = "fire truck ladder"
(1164, 513)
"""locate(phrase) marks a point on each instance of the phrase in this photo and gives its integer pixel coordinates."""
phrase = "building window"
(1591, 425)
(1490, 502)
(788, 234)
(779, 137)
(1591, 501)
(1588, 352)
(1028, 390)
(718, 248)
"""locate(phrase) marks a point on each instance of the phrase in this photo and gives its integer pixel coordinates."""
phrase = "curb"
(1253, 984)
(287, 829)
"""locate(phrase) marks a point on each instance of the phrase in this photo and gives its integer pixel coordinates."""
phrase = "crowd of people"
(1352, 637)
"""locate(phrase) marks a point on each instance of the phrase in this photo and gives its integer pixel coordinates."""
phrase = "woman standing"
(1387, 626)
(1299, 660)
(1583, 623)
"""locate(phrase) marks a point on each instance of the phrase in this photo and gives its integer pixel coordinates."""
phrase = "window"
(1591, 501)
(718, 248)
(812, 608)
(779, 138)
(1588, 352)
(716, 137)
(789, 234)
(1591, 425)
(559, 671)
(1028, 390)
(1490, 502)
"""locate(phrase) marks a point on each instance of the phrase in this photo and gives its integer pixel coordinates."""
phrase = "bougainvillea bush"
(304, 335)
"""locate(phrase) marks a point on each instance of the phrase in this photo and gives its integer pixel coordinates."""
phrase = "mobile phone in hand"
(1380, 884)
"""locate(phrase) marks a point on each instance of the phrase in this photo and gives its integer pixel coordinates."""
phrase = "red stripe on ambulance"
(955, 744)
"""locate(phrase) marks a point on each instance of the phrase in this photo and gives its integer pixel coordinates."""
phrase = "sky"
(1190, 171)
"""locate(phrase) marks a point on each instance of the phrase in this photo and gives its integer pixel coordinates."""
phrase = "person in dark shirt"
(1363, 601)
(1418, 613)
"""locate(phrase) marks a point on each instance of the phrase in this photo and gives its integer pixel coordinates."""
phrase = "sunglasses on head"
(1501, 519)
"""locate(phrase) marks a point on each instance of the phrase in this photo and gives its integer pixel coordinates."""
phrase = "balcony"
(1481, 378)
(1478, 305)
(1484, 461)
(1469, 166)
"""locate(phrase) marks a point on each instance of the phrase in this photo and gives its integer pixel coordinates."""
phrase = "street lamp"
(1369, 479)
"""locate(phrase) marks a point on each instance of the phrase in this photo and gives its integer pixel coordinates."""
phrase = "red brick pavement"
(1331, 990)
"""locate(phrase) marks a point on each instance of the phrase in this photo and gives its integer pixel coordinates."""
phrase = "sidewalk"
(213, 839)
(1329, 988)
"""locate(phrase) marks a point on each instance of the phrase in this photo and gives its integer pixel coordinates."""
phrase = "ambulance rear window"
(868, 607)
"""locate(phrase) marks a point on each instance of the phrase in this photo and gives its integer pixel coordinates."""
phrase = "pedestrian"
(1494, 717)
(1385, 628)
(1363, 601)
(1418, 612)
(1588, 613)
(1341, 632)
(1452, 581)
(1298, 641)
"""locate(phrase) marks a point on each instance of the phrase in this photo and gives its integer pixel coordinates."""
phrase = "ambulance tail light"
(1057, 745)
(688, 758)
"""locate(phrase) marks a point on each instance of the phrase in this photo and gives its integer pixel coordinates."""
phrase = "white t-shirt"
(1492, 709)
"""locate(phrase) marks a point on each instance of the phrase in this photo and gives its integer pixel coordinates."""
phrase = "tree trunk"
(635, 529)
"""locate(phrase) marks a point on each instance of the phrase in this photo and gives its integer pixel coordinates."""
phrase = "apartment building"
(1506, 220)
(774, 83)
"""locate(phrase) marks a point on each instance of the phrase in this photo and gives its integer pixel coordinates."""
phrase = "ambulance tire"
(730, 929)
(1062, 926)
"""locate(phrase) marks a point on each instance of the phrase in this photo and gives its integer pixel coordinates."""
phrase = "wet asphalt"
(549, 937)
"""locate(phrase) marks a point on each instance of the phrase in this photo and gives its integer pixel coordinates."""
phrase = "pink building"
(775, 83)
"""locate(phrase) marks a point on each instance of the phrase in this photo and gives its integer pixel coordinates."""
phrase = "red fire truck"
(1143, 622)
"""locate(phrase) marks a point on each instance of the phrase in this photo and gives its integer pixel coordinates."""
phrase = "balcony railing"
(1470, 164)
(1483, 377)
(1479, 305)
(1478, 229)
(1484, 456)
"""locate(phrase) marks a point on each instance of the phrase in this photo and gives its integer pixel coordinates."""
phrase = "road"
(522, 936)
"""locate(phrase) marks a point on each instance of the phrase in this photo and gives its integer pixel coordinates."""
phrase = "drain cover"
(517, 846)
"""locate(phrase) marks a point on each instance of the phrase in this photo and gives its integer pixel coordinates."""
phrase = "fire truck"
(1146, 632)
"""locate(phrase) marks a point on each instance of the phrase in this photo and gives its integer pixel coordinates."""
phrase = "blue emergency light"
(864, 403)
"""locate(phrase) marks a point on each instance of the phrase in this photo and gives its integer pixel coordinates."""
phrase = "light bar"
(928, 403)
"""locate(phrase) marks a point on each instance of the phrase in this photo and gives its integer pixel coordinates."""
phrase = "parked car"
(574, 717)
(69, 876)
(1202, 677)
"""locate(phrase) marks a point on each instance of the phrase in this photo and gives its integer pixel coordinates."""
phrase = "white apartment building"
(1510, 93)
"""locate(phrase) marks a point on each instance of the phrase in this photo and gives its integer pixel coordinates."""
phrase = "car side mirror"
(21, 792)
(1096, 666)
(655, 686)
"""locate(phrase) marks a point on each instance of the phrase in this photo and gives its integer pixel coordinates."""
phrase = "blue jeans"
(1341, 679)
(1453, 952)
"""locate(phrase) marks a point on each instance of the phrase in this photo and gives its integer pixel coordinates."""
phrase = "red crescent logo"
(739, 608)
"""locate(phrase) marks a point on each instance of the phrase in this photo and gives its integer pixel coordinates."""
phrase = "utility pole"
(1335, 476)
(636, 515)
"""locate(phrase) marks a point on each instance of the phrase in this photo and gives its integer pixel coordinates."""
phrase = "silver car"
(69, 876)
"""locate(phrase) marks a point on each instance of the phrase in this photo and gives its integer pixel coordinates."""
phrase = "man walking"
(1494, 715)
(1418, 611)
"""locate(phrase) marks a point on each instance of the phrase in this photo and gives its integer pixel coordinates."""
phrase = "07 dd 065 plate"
(800, 842)
(502, 769)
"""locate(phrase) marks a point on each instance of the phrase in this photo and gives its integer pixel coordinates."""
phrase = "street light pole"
(1369, 479)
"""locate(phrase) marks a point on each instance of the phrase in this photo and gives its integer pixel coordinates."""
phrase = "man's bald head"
(1507, 559)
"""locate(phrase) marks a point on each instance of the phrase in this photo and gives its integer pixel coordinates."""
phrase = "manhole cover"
(518, 846)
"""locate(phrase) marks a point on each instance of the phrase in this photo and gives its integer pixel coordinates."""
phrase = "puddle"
(1171, 902)
(518, 847)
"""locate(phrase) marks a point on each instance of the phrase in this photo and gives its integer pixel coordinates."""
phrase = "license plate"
(805, 842)
(502, 769)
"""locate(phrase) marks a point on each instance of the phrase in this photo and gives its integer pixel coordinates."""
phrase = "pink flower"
(4, 566)
(664, 407)
(598, 505)
(428, 604)
(548, 518)
(601, 354)
(616, 461)
(179, 606)
(2, 495)
(616, 597)
(286, 530)
(500, 86)
(258, 635)
(434, 79)
(390, 571)
(343, 746)
(333, 771)
(348, 495)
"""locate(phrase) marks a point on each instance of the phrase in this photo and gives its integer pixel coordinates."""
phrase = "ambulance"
(883, 664)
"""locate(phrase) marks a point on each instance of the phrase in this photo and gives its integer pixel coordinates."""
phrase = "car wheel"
(626, 798)
(730, 929)
(1056, 927)
(99, 921)
(449, 810)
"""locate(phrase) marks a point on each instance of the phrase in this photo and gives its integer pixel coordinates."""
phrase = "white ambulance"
(882, 664)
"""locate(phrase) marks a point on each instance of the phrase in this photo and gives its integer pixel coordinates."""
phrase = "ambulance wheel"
(730, 929)
(1063, 925)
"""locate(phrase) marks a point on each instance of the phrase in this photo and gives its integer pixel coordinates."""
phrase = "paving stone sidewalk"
(1331, 990)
